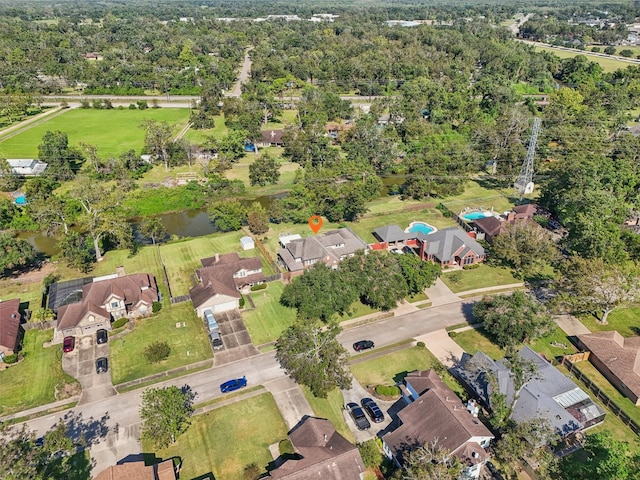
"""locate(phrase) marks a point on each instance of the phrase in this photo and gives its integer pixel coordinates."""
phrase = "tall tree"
(513, 319)
(52, 214)
(429, 462)
(101, 215)
(75, 250)
(157, 139)
(154, 229)
(228, 215)
(9, 181)
(525, 247)
(593, 286)
(15, 253)
(310, 354)
(418, 274)
(63, 161)
(264, 170)
(257, 219)
(165, 413)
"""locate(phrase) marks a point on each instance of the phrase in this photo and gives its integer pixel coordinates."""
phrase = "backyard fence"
(604, 398)
(273, 278)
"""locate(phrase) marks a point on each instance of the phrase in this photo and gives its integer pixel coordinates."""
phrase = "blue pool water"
(476, 215)
(419, 227)
(21, 200)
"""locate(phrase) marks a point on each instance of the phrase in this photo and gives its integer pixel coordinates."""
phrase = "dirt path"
(32, 276)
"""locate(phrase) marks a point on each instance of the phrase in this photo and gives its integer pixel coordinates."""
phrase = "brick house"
(9, 326)
(450, 246)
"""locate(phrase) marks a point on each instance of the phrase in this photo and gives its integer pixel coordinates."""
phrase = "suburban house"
(221, 279)
(435, 414)
(271, 138)
(493, 225)
(550, 394)
(617, 358)
(9, 326)
(450, 246)
(139, 471)
(320, 453)
(27, 167)
(334, 130)
(105, 299)
(330, 247)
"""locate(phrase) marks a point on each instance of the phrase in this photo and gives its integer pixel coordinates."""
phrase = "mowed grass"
(226, 440)
(112, 131)
(391, 368)
(481, 277)
(30, 294)
(608, 64)
(35, 380)
(331, 408)
(189, 343)
(624, 320)
(269, 319)
(201, 136)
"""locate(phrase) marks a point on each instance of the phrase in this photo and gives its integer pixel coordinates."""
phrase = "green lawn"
(484, 276)
(28, 293)
(269, 319)
(189, 344)
(624, 320)
(478, 339)
(226, 440)
(200, 136)
(392, 368)
(112, 131)
(332, 409)
(38, 379)
(480, 193)
(608, 64)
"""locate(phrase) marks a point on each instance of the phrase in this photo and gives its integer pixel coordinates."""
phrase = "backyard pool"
(21, 200)
(420, 227)
(476, 215)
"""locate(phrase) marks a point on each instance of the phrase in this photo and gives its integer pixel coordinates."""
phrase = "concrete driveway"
(235, 338)
(81, 365)
(443, 347)
(355, 394)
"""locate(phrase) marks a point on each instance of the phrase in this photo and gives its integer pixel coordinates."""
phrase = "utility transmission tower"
(524, 182)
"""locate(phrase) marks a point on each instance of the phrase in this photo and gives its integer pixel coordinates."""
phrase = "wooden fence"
(604, 398)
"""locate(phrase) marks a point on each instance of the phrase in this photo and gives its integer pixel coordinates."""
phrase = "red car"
(68, 344)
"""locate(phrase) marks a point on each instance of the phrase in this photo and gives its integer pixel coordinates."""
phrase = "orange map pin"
(315, 222)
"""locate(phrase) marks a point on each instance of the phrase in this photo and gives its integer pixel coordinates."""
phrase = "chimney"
(217, 257)
(325, 437)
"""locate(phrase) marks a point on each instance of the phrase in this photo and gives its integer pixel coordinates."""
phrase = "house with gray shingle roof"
(435, 414)
(450, 246)
(330, 247)
(550, 394)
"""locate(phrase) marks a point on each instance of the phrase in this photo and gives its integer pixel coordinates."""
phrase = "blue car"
(235, 384)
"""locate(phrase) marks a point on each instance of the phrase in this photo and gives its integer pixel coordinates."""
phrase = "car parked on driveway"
(372, 409)
(407, 249)
(68, 344)
(358, 416)
(235, 384)
(102, 365)
(102, 336)
(363, 345)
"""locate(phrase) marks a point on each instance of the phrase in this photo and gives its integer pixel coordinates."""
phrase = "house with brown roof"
(321, 453)
(492, 225)
(221, 279)
(9, 326)
(106, 299)
(330, 247)
(617, 358)
(139, 471)
(435, 414)
(271, 138)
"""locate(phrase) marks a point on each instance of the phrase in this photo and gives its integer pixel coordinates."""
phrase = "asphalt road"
(110, 426)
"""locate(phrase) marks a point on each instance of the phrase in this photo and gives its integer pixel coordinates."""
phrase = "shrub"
(13, 358)
(121, 322)
(389, 391)
(370, 453)
(285, 447)
(132, 106)
(259, 286)
(252, 472)
(453, 334)
(156, 307)
(242, 302)
(157, 351)
(142, 104)
(421, 345)
(471, 267)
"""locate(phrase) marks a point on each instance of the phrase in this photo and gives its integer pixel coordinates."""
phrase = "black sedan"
(363, 345)
(102, 336)
(235, 384)
(358, 416)
(102, 365)
(372, 409)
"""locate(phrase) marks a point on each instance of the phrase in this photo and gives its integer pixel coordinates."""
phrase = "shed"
(247, 243)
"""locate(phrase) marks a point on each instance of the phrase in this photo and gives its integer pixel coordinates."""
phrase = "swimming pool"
(420, 227)
(476, 215)
(21, 200)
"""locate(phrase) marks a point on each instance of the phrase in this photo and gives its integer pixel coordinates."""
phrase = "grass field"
(393, 367)
(484, 276)
(269, 319)
(35, 380)
(624, 320)
(112, 131)
(200, 136)
(189, 344)
(331, 408)
(607, 64)
(224, 441)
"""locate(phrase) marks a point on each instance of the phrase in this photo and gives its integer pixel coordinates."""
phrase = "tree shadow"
(399, 377)
(86, 432)
(81, 465)
(635, 330)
